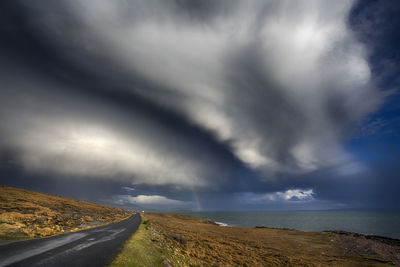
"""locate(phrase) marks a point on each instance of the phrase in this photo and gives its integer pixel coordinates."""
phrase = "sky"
(203, 105)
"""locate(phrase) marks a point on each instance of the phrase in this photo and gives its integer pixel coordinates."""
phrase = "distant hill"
(25, 213)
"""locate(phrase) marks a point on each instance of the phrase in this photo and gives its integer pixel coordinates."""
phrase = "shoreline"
(204, 242)
(380, 238)
(382, 224)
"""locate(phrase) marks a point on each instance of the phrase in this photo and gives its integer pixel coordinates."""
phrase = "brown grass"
(206, 244)
(141, 251)
(25, 213)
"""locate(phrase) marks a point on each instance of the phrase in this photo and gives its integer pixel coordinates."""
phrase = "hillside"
(25, 213)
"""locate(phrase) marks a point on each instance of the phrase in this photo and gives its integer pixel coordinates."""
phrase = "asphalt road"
(93, 247)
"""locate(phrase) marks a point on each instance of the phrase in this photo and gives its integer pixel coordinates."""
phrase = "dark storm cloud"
(244, 97)
(246, 75)
(60, 99)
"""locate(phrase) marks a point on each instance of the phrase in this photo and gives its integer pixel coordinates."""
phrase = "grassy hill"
(25, 213)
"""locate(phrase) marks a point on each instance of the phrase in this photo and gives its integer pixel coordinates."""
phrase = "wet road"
(93, 247)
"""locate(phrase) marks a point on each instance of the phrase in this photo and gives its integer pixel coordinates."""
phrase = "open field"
(189, 241)
(26, 214)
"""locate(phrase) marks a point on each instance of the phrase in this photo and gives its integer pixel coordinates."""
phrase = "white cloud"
(128, 189)
(298, 194)
(78, 137)
(150, 201)
(83, 150)
(288, 195)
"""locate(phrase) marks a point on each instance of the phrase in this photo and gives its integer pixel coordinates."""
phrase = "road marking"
(104, 239)
(113, 234)
(51, 244)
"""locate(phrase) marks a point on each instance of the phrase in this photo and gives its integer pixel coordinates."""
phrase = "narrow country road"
(93, 247)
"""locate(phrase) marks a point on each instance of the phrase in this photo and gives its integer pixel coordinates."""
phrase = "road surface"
(93, 247)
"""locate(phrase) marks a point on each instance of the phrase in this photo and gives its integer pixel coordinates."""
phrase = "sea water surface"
(363, 222)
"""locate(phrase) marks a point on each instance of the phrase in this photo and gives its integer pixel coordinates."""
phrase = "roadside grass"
(143, 250)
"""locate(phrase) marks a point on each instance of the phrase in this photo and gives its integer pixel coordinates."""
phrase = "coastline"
(204, 243)
(379, 223)
(383, 239)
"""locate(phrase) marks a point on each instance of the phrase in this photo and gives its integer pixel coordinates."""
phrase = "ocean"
(364, 222)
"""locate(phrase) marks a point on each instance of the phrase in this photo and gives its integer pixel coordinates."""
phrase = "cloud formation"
(52, 130)
(204, 95)
(281, 81)
(288, 195)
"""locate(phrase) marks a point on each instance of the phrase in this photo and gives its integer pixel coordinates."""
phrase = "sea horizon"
(367, 222)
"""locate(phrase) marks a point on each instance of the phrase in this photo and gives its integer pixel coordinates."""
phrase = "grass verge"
(144, 249)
